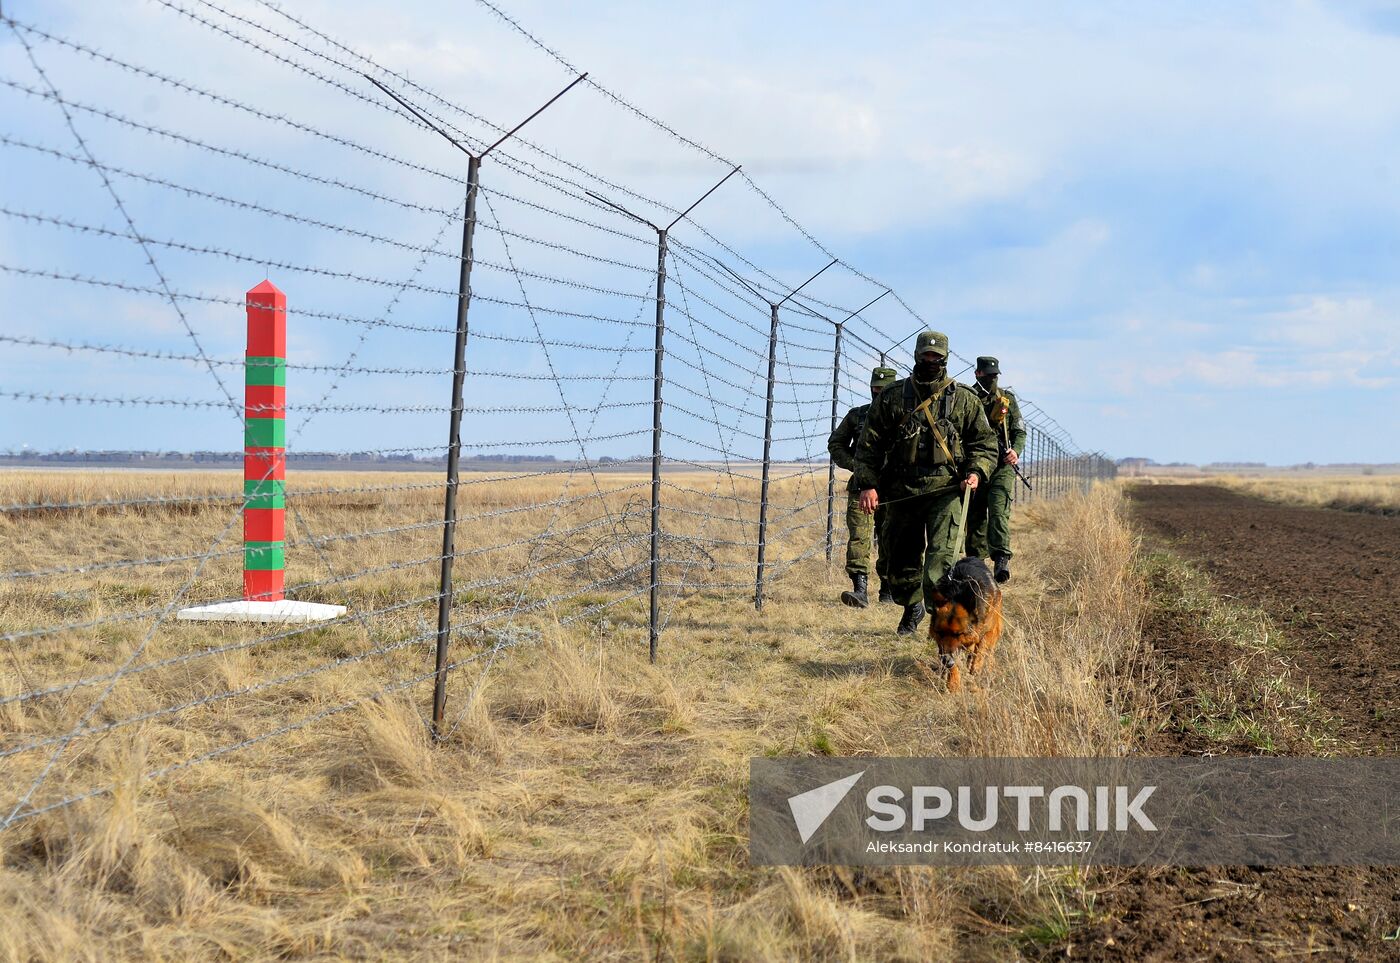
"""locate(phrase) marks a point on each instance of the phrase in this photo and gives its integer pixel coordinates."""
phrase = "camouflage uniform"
(989, 515)
(862, 529)
(917, 472)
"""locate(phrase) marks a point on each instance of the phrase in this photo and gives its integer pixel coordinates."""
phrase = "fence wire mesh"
(643, 403)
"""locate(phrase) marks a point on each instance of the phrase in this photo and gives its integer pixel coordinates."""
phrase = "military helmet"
(988, 365)
(883, 377)
(935, 341)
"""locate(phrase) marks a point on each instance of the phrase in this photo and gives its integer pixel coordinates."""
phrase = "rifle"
(1001, 441)
(1001, 454)
(1017, 470)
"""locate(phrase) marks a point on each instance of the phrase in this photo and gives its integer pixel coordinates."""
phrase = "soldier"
(989, 516)
(860, 526)
(926, 440)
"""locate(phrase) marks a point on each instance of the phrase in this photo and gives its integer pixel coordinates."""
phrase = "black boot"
(885, 594)
(913, 615)
(1002, 564)
(856, 597)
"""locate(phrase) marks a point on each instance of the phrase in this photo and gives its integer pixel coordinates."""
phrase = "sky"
(1178, 226)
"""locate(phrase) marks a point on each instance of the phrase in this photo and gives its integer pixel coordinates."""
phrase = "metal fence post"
(1046, 482)
(1049, 467)
(1047, 487)
(657, 380)
(831, 465)
(1036, 473)
(454, 448)
(459, 372)
(773, 307)
(1048, 454)
(1043, 462)
(1032, 466)
(654, 622)
(767, 456)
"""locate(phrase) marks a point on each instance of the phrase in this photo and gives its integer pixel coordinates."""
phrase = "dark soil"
(1331, 580)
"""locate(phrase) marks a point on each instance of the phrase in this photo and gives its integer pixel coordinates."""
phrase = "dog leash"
(962, 522)
(909, 498)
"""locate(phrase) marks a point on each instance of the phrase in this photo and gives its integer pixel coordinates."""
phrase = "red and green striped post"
(265, 445)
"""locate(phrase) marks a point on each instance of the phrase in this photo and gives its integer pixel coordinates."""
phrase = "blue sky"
(1177, 225)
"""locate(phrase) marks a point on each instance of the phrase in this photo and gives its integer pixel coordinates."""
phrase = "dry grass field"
(587, 804)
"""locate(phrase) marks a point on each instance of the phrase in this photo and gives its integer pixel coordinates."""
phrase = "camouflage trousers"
(989, 516)
(920, 541)
(864, 532)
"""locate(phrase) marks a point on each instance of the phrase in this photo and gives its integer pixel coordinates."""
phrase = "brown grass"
(587, 805)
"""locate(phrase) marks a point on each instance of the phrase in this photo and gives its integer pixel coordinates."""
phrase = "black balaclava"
(988, 382)
(930, 372)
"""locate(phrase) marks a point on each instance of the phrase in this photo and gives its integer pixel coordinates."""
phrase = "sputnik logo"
(811, 808)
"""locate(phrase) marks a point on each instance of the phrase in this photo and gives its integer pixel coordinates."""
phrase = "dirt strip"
(1331, 581)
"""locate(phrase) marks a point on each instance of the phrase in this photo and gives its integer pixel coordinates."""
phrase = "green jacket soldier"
(861, 528)
(989, 515)
(926, 439)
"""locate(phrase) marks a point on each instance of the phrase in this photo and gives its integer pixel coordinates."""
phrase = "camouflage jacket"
(1010, 427)
(842, 442)
(908, 450)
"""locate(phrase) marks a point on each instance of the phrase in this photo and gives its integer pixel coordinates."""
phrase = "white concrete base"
(283, 611)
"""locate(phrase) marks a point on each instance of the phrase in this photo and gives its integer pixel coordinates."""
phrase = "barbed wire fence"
(688, 390)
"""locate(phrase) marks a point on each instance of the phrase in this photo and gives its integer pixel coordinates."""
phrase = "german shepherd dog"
(965, 611)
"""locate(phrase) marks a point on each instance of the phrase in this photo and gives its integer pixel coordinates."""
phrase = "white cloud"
(1322, 321)
(879, 126)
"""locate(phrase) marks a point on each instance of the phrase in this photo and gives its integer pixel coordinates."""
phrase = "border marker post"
(264, 476)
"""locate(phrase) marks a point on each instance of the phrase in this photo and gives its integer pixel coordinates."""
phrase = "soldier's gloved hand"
(970, 482)
(869, 501)
(1011, 457)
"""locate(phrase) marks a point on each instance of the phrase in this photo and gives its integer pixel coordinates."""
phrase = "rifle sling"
(924, 409)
